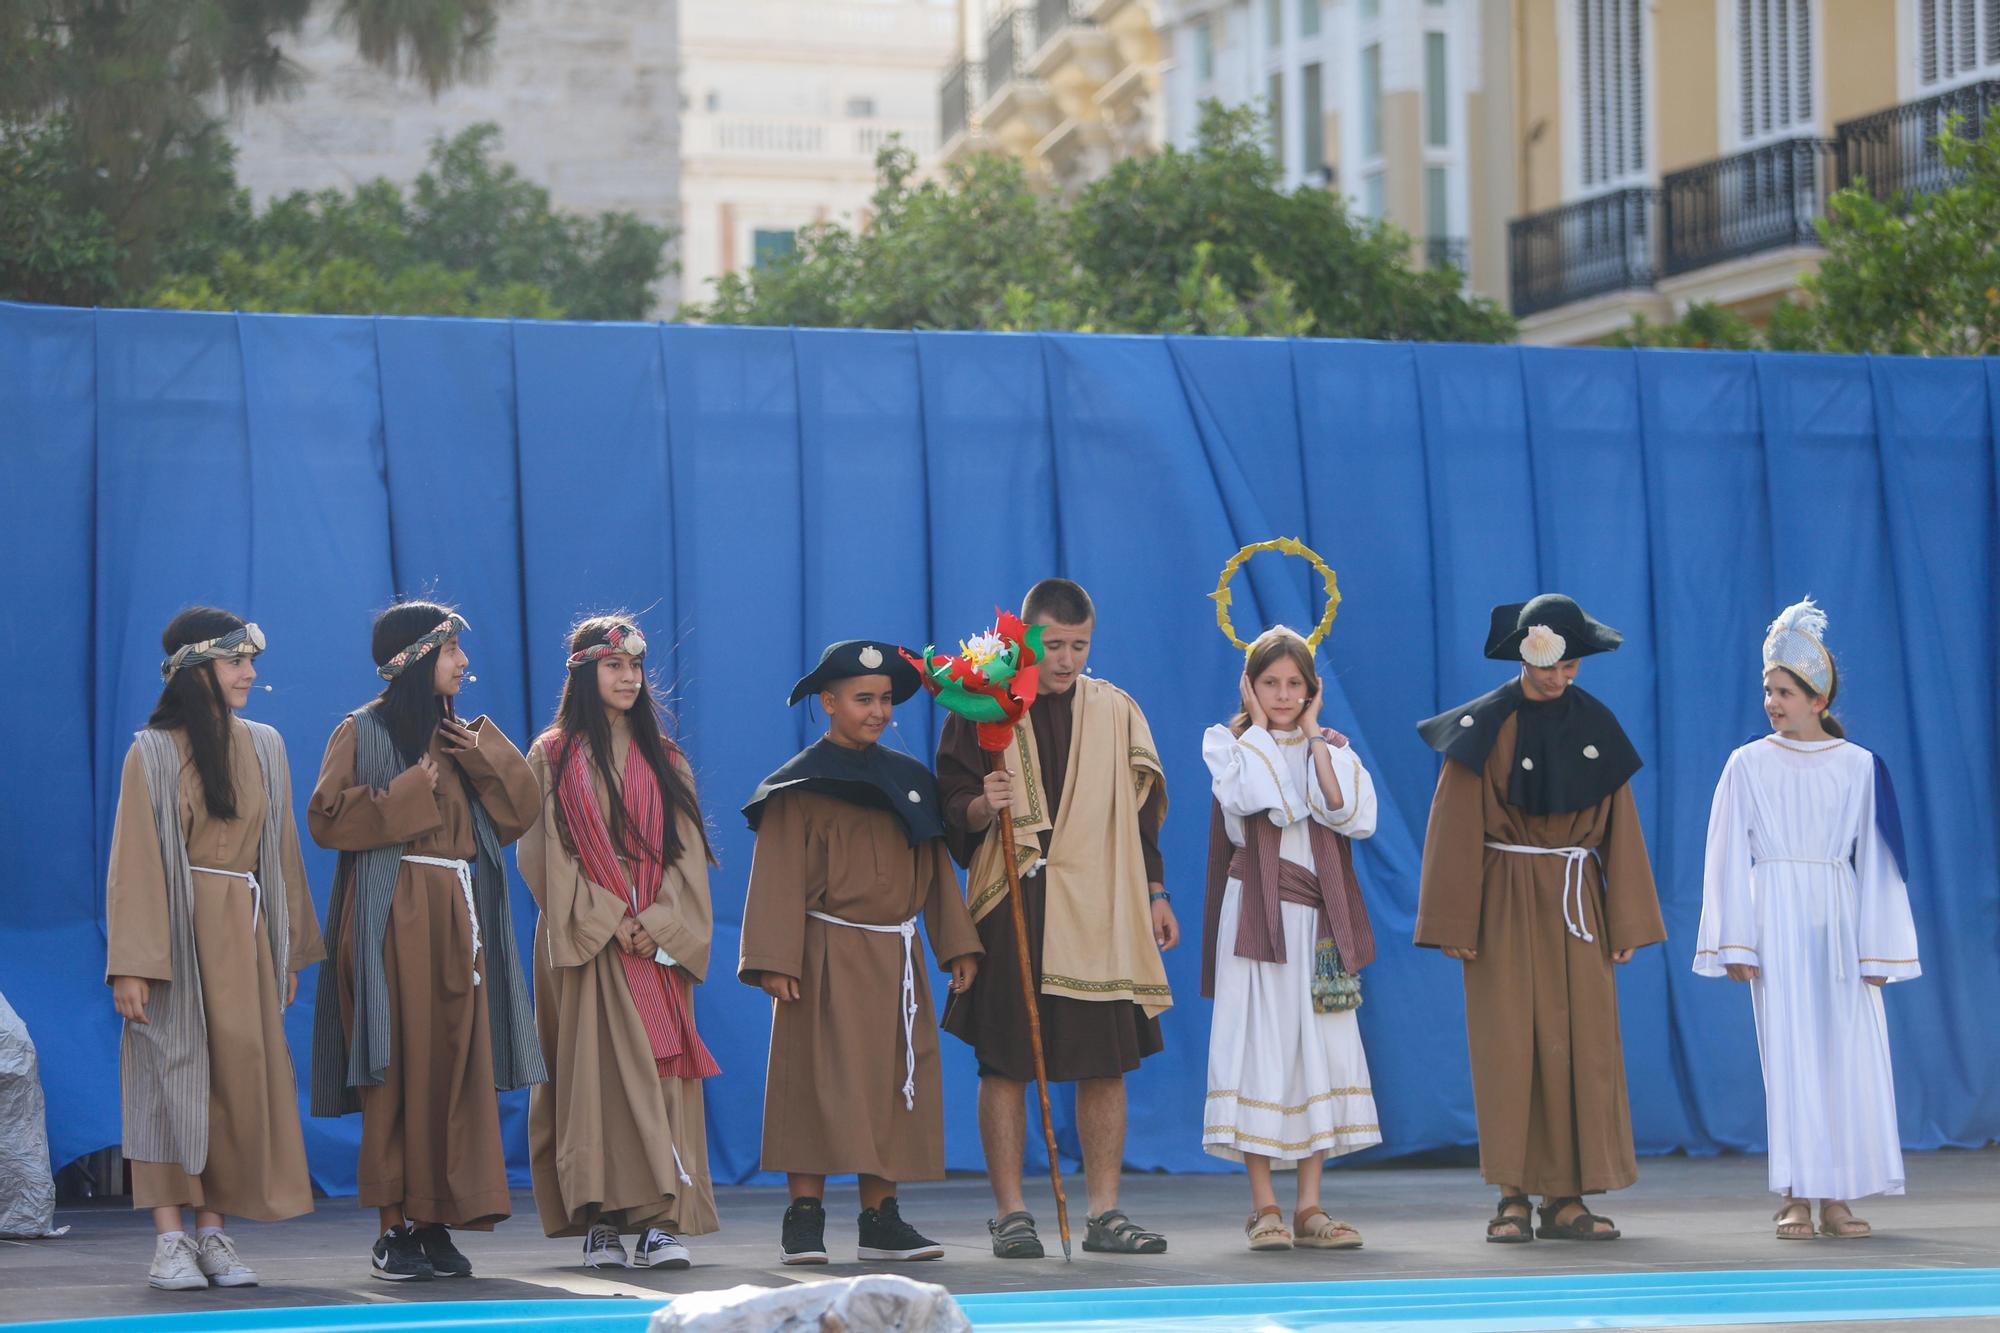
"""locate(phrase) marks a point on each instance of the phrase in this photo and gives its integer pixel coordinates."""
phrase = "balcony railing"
(1895, 150)
(1010, 42)
(1584, 249)
(1767, 198)
(1052, 16)
(1442, 252)
(958, 97)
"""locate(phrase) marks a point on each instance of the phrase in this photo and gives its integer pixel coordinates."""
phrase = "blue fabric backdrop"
(760, 492)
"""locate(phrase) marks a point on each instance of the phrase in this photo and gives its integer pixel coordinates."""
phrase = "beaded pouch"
(1333, 990)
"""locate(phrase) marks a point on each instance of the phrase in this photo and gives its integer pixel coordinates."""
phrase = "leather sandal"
(1581, 1227)
(1111, 1232)
(1316, 1231)
(1266, 1229)
(1792, 1227)
(1014, 1237)
(1845, 1227)
(1522, 1224)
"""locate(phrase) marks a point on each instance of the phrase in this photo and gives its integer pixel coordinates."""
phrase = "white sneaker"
(659, 1249)
(603, 1249)
(174, 1267)
(218, 1260)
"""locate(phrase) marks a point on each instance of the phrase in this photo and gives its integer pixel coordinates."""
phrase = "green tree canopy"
(1915, 274)
(1201, 241)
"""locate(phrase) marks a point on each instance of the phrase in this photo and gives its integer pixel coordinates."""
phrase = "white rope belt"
(1836, 956)
(908, 930)
(464, 870)
(256, 889)
(1573, 859)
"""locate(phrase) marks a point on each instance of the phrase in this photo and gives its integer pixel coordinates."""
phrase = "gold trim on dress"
(1237, 1136)
(1300, 1109)
(1815, 747)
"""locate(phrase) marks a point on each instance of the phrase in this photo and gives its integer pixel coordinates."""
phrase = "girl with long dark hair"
(209, 922)
(427, 1016)
(1803, 898)
(619, 864)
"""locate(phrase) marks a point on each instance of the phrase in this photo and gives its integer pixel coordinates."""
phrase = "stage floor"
(1683, 1216)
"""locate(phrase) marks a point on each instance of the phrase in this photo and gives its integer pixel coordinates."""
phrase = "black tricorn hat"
(1581, 635)
(860, 657)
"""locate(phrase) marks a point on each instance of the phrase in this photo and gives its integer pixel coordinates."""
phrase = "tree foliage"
(1201, 241)
(1916, 274)
(469, 237)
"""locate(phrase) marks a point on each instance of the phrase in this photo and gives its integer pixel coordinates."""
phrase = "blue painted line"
(1426, 1305)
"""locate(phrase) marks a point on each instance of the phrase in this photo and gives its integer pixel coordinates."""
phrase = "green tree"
(52, 252)
(469, 237)
(133, 85)
(1916, 274)
(1199, 241)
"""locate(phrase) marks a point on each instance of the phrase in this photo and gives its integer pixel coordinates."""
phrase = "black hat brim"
(1583, 634)
(903, 679)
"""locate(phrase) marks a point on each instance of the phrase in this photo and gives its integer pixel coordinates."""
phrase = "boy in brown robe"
(850, 851)
(1535, 877)
(1086, 807)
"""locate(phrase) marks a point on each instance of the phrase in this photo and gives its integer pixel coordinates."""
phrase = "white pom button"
(916, 799)
(1590, 752)
(1527, 763)
(1465, 721)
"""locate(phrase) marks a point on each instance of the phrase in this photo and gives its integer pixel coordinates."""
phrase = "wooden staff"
(996, 760)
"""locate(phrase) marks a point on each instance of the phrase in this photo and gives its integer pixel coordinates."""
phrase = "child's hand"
(1621, 956)
(1876, 981)
(291, 989)
(1741, 971)
(640, 943)
(129, 996)
(1166, 928)
(1255, 710)
(1309, 715)
(1462, 955)
(963, 969)
(779, 986)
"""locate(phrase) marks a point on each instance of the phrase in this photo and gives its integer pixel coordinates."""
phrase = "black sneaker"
(805, 1233)
(885, 1235)
(445, 1259)
(398, 1258)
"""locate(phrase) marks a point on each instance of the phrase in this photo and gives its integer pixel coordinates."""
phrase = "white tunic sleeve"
(1248, 776)
(1728, 914)
(1356, 816)
(1886, 934)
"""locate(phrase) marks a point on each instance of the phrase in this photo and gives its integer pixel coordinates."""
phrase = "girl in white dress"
(1287, 1078)
(1803, 898)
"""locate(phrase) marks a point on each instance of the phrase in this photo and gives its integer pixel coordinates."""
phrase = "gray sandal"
(1014, 1237)
(1114, 1233)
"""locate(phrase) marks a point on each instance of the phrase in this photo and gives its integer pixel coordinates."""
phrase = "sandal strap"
(1124, 1227)
(1020, 1223)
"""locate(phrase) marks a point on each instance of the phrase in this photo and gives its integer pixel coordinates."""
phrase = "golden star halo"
(1284, 546)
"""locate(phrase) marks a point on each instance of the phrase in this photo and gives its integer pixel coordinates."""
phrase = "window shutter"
(1927, 41)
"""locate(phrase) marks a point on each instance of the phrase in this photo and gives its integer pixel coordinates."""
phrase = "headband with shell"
(622, 638)
(246, 640)
(446, 628)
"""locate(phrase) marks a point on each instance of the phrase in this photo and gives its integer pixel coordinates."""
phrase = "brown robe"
(604, 1131)
(430, 1131)
(256, 1156)
(1541, 1006)
(1080, 1038)
(832, 1094)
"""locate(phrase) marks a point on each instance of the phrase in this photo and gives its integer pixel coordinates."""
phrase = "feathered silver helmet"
(1794, 642)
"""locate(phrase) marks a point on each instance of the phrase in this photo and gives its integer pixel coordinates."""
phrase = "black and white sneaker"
(445, 1258)
(805, 1233)
(659, 1249)
(399, 1258)
(886, 1236)
(602, 1248)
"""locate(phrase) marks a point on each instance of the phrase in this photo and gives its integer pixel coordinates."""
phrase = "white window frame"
(1985, 64)
(1568, 41)
(1459, 48)
(1736, 136)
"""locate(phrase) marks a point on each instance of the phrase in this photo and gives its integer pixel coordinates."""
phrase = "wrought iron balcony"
(1764, 199)
(1442, 252)
(959, 96)
(1895, 151)
(1010, 43)
(1583, 249)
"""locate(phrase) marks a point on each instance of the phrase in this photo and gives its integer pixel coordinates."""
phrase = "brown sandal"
(1581, 1227)
(1845, 1227)
(1266, 1229)
(1316, 1231)
(1794, 1228)
(1522, 1223)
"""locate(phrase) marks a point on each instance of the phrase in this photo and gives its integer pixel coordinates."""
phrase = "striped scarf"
(659, 993)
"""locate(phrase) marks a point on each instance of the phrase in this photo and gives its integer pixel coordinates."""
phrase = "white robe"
(1800, 884)
(1283, 1082)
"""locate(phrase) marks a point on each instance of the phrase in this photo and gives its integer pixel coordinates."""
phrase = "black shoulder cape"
(1570, 753)
(878, 778)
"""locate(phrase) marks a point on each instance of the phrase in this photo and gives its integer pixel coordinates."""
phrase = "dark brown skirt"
(1080, 1038)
